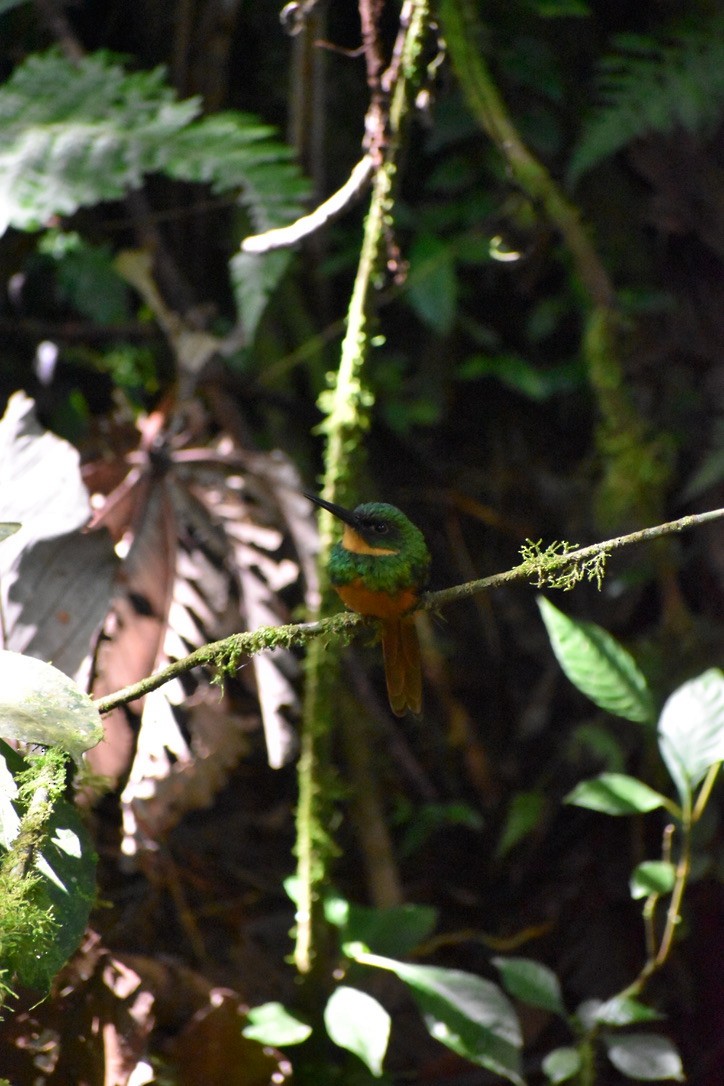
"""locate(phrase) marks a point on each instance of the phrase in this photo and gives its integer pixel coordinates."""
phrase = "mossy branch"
(346, 406)
(558, 566)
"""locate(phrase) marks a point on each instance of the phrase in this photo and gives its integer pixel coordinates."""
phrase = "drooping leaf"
(598, 665)
(357, 1022)
(465, 1012)
(648, 1057)
(691, 730)
(273, 1024)
(652, 877)
(39, 704)
(531, 982)
(615, 794)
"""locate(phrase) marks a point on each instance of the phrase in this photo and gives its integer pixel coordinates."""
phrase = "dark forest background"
(490, 426)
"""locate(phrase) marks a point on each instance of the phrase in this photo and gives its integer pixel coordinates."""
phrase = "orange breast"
(365, 601)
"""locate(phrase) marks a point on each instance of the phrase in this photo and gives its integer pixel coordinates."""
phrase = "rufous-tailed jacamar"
(379, 568)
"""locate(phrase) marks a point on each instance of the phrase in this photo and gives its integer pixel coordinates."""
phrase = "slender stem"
(703, 798)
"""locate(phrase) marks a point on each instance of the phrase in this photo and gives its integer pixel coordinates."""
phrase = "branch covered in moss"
(558, 566)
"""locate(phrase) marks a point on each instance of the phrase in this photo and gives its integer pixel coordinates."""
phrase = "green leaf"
(39, 704)
(645, 1056)
(427, 819)
(531, 982)
(466, 1013)
(9, 528)
(273, 1024)
(78, 132)
(561, 9)
(396, 930)
(357, 1022)
(691, 730)
(654, 86)
(254, 277)
(523, 816)
(594, 740)
(616, 794)
(562, 1064)
(90, 282)
(522, 376)
(237, 151)
(652, 877)
(598, 665)
(432, 283)
(624, 1011)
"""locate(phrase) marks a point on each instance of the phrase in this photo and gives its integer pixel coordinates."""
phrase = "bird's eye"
(379, 528)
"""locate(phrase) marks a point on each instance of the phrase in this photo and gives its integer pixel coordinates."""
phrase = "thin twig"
(283, 237)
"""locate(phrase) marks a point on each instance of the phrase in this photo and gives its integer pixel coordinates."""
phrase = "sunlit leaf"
(561, 1064)
(357, 1022)
(9, 528)
(598, 665)
(691, 730)
(273, 1024)
(652, 877)
(645, 1056)
(624, 1011)
(55, 578)
(39, 704)
(466, 1013)
(615, 794)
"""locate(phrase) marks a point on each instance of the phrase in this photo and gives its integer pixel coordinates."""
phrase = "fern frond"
(236, 151)
(653, 86)
(72, 135)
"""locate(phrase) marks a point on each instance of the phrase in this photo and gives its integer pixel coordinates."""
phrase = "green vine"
(346, 406)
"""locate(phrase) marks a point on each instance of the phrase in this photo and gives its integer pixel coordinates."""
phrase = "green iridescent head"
(380, 544)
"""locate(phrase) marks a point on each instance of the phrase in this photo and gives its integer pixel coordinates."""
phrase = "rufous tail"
(403, 667)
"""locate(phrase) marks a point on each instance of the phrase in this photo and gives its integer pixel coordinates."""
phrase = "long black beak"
(336, 510)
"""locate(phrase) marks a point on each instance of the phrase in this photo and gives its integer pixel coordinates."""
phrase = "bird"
(379, 568)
